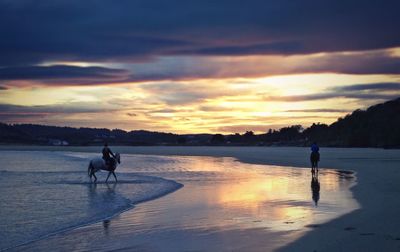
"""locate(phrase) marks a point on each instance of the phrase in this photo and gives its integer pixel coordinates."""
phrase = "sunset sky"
(182, 66)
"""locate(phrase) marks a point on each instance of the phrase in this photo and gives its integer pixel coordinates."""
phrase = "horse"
(314, 158)
(98, 164)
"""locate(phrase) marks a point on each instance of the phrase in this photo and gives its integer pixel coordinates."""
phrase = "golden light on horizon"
(202, 105)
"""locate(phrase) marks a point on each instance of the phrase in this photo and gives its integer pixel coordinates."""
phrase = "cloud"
(177, 93)
(3, 88)
(129, 31)
(165, 111)
(191, 68)
(219, 67)
(215, 108)
(319, 111)
(131, 114)
(391, 86)
(331, 95)
(63, 74)
(11, 111)
(371, 91)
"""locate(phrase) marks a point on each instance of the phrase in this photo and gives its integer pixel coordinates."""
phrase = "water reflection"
(280, 195)
(221, 197)
(226, 194)
(104, 191)
(106, 225)
(315, 187)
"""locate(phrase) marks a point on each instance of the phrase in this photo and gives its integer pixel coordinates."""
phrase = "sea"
(47, 193)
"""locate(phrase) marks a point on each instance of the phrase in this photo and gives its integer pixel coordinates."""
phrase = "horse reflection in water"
(315, 187)
(96, 195)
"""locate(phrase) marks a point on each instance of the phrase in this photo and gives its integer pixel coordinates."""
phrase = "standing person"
(314, 158)
(107, 153)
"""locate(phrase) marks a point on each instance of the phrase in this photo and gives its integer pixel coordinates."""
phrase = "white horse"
(98, 164)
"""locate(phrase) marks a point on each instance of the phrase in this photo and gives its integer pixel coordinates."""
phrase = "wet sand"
(373, 227)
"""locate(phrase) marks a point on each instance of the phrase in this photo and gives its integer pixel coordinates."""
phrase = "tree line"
(377, 126)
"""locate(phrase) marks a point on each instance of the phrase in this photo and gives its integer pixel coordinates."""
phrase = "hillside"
(378, 126)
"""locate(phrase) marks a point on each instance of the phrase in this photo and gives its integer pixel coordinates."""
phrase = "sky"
(201, 66)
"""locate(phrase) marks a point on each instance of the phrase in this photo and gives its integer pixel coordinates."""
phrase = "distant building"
(57, 142)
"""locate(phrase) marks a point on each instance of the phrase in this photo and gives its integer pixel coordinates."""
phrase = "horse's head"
(118, 158)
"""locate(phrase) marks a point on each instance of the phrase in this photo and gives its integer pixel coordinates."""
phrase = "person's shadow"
(315, 187)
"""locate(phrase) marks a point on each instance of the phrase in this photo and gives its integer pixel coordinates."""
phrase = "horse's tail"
(89, 169)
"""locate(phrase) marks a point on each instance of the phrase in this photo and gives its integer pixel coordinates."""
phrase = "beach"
(370, 224)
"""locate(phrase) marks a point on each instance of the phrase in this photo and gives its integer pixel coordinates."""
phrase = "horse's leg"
(109, 173)
(313, 166)
(113, 173)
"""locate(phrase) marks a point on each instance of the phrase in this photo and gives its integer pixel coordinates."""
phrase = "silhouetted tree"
(218, 139)
(378, 126)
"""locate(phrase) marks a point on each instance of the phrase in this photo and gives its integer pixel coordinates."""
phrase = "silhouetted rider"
(314, 157)
(107, 153)
(314, 147)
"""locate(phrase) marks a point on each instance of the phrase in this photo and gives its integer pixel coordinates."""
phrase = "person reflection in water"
(315, 186)
(106, 224)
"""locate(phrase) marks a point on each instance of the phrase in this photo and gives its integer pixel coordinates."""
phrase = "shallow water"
(223, 201)
(47, 192)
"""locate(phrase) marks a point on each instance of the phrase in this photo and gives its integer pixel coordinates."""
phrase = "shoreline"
(372, 227)
(133, 204)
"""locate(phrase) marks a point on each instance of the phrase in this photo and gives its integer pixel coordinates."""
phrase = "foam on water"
(44, 193)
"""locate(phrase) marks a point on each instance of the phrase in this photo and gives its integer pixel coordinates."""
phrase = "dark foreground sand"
(373, 227)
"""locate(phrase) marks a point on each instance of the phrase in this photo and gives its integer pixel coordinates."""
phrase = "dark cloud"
(291, 47)
(372, 62)
(131, 114)
(370, 91)
(375, 62)
(332, 95)
(391, 86)
(319, 110)
(188, 68)
(165, 111)
(62, 74)
(3, 88)
(105, 30)
(10, 111)
(207, 108)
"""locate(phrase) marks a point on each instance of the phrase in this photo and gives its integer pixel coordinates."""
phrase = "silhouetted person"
(106, 224)
(315, 186)
(314, 158)
(107, 153)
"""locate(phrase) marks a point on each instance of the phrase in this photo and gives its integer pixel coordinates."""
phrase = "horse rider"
(107, 153)
(315, 148)
(314, 157)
